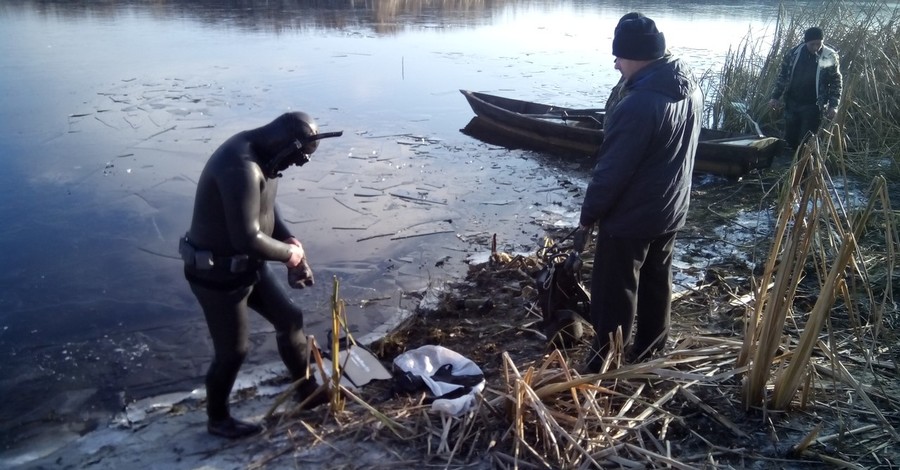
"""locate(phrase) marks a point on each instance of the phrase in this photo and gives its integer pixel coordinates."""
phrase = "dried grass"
(824, 384)
(547, 415)
(814, 231)
(822, 375)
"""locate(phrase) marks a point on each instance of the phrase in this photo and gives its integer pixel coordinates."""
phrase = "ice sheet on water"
(432, 299)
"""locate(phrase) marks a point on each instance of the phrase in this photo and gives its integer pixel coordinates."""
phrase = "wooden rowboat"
(579, 132)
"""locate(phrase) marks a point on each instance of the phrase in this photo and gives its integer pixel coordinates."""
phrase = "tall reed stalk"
(815, 234)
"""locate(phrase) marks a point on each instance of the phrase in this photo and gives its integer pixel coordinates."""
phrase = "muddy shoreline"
(489, 316)
(442, 317)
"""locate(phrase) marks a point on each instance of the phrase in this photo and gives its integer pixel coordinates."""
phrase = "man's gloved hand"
(301, 275)
(579, 239)
(573, 264)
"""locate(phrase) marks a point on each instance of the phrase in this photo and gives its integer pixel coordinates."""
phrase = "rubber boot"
(232, 428)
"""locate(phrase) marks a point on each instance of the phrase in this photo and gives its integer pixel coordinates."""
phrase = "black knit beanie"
(629, 16)
(637, 38)
(813, 34)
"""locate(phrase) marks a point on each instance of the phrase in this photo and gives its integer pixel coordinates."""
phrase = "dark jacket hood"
(678, 89)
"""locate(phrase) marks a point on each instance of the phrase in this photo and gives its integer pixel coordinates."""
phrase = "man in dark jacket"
(809, 82)
(235, 230)
(640, 189)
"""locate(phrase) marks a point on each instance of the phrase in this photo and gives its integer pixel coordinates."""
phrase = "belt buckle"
(199, 259)
(204, 260)
(239, 263)
(186, 250)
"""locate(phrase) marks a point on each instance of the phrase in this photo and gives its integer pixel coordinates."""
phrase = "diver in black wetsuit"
(235, 230)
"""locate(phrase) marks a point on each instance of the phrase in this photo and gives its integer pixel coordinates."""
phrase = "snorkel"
(289, 155)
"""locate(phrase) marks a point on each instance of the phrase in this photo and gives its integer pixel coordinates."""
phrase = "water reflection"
(383, 17)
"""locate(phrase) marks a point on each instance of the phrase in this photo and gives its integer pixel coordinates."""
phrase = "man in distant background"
(809, 83)
(640, 190)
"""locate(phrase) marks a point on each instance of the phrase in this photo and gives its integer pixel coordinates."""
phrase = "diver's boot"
(310, 395)
(232, 428)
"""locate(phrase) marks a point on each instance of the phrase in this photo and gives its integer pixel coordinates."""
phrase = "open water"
(110, 109)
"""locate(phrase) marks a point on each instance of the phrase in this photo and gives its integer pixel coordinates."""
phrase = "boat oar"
(742, 108)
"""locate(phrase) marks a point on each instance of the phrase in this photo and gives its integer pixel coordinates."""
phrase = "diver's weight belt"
(205, 260)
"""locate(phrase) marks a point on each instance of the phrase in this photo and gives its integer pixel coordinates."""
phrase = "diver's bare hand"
(297, 253)
(301, 276)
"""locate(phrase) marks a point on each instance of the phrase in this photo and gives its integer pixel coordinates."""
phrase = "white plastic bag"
(444, 372)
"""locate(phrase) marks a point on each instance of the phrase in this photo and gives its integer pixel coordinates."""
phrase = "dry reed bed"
(803, 383)
(635, 416)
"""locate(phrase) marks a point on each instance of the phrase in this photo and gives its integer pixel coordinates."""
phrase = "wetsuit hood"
(288, 140)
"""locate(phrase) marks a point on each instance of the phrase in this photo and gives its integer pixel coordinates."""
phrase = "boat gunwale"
(740, 158)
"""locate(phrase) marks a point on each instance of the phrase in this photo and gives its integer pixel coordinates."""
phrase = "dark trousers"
(800, 120)
(226, 316)
(631, 277)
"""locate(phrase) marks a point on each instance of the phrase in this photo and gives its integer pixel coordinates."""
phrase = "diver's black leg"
(226, 317)
(270, 298)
